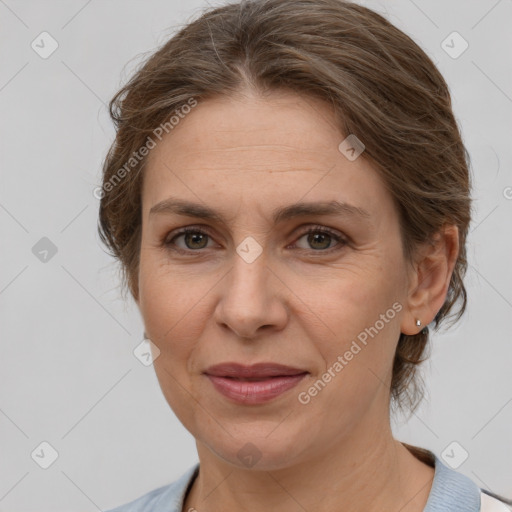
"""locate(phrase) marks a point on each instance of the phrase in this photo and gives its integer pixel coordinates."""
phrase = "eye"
(320, 238)
(193, 237)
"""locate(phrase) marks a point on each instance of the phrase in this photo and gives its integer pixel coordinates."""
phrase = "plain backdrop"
(68, 374)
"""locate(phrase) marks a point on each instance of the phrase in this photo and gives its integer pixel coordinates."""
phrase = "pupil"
(194, 236)
(321, 235)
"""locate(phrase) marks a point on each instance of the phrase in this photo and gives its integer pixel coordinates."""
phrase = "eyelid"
(180, 231)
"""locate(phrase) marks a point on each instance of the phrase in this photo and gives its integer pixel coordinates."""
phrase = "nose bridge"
(249, 299)
(249, 279)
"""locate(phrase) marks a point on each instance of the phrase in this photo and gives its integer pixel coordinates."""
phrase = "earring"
(418, 322)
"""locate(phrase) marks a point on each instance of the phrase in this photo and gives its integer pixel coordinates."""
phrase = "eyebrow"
(301, 209)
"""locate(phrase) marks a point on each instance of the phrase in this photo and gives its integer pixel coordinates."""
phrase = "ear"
(429, 279)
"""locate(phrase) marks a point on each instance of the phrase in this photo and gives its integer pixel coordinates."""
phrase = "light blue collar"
(172, 499)
(452, 491)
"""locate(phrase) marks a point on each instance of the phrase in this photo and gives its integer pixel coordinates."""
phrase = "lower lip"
(255, 392)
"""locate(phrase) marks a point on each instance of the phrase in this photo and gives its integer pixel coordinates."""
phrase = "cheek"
(362, 311)
(356, 300)
(172, 311)
(358, 354)
(169, 306)
(165, 293)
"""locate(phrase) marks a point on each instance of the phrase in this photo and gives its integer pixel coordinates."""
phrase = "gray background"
(68, 373)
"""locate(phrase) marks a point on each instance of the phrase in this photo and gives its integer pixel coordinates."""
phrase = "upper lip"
(252, 371)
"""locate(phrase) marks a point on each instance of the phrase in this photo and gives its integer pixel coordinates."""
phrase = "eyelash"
(170, 244)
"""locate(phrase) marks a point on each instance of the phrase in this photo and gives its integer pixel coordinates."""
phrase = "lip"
(255, 384)
(257, 371)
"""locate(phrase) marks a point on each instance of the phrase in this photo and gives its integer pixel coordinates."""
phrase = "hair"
(380, 85)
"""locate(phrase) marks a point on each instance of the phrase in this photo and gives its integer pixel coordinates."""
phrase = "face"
(318, 291)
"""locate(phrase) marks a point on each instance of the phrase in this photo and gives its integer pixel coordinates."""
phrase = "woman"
(289, 197)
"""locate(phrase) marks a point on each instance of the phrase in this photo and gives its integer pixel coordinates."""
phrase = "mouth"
(254, 384)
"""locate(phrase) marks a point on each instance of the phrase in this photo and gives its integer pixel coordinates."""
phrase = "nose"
(253, 299)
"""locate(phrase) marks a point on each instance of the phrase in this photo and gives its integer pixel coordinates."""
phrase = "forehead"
(279, 149)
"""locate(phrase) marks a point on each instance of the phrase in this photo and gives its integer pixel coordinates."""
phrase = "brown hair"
(381, 86)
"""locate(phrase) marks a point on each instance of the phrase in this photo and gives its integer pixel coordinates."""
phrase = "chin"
(260, 449)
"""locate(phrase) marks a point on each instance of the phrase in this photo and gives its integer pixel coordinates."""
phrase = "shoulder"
(456, 492)
(491, 504)
(168, 497)
(145, 503)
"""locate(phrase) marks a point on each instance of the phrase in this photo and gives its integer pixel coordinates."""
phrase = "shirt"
(451, 492)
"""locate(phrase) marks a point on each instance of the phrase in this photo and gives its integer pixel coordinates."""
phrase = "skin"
(300, 303)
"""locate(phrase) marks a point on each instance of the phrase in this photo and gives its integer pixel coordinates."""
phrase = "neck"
(370, 471)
